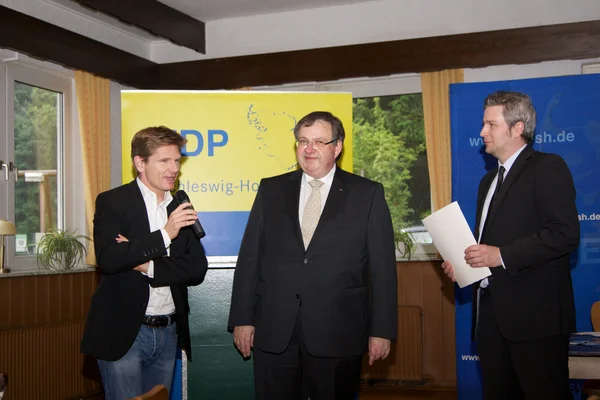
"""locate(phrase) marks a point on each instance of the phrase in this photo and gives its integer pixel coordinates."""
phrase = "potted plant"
(61, 250)
(405, 243)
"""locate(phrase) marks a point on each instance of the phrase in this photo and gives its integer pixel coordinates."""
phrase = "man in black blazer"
(148, 256)
(315, 283)
(527, 226)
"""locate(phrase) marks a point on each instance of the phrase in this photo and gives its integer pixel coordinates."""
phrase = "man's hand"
(482, 255)
(448, 270)
(379, 349)
(180, 218)
(142, 267)
(243, 338)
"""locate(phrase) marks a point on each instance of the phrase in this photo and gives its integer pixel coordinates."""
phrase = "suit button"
(298, 296)
(306, 261)
(145, 255)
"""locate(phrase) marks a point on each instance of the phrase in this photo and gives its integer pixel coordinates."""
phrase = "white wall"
(539, 70)
(373, 21)
(115, 134)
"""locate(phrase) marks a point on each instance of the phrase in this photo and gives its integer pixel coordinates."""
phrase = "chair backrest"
(596, 316)
(158, 392)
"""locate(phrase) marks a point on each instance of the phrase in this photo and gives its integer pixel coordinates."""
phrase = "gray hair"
(516, 107)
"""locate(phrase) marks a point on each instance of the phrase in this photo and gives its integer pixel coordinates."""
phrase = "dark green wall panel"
(218, 371)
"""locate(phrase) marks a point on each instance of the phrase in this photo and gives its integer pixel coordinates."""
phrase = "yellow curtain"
(436, 112)
(93, 104)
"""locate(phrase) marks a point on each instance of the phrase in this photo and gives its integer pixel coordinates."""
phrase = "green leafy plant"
(60, 250)
(407, 239)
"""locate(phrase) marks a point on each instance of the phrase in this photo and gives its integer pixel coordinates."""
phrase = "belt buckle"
(159, 321)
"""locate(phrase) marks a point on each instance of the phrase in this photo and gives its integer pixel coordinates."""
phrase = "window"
(389, 147)
(41, 157)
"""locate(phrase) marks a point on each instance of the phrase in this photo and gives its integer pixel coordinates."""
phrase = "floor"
(404, 393)
(384, 392)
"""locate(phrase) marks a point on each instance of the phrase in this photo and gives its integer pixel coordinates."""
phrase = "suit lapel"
(291, 198)
(509, 179)
(483, 189)
(138, 207)
(333, 204)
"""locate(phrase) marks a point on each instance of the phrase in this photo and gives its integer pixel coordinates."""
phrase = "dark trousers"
(533, 369)
(297, 375)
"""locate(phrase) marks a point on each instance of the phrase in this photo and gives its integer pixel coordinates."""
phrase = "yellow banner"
(234, 138)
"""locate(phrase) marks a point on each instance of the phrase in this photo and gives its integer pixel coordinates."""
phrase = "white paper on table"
(451, 236)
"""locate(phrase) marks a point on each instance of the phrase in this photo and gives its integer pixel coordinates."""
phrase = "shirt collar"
(327, 179)
(511, 160)
(149, 194)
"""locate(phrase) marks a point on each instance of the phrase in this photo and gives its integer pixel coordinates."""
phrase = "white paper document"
(451, 236)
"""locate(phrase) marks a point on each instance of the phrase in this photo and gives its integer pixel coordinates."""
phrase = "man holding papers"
(526, 227)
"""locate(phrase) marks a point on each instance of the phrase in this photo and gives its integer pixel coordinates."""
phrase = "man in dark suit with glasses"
(315, 283)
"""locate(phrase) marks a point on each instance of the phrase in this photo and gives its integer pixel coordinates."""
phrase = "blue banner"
(568, 124)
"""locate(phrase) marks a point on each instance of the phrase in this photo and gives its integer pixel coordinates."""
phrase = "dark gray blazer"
(345, 281)
(534, 222)
(119, 304)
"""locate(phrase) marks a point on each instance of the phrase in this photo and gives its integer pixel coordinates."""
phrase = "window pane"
(389, 147)
(37, 126)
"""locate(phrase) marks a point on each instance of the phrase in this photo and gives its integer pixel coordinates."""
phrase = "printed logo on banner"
(234, 139)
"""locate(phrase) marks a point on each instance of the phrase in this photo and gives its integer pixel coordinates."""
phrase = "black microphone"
(182, 197)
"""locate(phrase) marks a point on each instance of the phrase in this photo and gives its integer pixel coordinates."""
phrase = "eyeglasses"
(317, 143)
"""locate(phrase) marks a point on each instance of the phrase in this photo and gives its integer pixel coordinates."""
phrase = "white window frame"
(17, 67)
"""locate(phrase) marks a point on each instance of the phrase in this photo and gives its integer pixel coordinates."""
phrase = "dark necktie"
(489, 210)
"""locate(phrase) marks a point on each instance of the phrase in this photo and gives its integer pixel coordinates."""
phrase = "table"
(584, 355)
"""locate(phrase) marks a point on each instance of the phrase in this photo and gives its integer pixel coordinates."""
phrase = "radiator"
(405, 362)
(43, 362)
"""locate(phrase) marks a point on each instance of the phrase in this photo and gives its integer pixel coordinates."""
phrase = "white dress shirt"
(161, 299)
(488, 198)
(306, 189)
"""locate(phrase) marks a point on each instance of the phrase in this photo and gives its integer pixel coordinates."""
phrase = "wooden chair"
(158, 392)
(596, 316)
(590, 387)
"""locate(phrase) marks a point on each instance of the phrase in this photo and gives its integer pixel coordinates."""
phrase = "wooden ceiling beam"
(156, 18)
(41, 40)
(471, 50)
(45, 41)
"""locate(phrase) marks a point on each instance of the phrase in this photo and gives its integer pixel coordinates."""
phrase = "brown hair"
(146, 141)
(337, 128)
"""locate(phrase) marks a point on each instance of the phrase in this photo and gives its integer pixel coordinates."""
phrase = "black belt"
(159, 321)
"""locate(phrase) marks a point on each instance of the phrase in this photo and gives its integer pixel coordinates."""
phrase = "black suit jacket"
(345, 281)
(535, 224)
(119, 304)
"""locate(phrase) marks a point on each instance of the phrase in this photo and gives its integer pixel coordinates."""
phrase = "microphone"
(182, 197)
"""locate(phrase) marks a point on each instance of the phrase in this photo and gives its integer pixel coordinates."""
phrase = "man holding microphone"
(148, 256)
